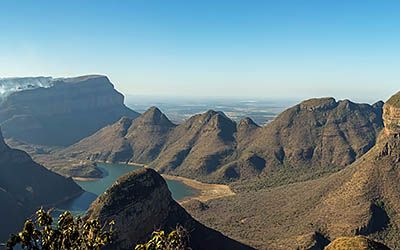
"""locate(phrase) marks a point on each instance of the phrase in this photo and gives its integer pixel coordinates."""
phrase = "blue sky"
(268, 49)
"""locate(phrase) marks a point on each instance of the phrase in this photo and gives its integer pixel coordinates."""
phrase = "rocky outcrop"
(355, 243)
(391, 115)
(25, 186)
(140, 203)
(63, 112)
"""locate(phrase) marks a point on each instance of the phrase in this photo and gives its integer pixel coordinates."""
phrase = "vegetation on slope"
(70, 233)
(355, 243)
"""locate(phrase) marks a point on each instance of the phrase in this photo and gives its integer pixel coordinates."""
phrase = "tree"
(176, 240)
(68, 233)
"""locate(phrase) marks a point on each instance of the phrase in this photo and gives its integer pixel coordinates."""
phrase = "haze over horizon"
(268, 49)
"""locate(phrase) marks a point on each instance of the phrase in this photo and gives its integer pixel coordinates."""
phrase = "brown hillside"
(362, 199)
(314, 136)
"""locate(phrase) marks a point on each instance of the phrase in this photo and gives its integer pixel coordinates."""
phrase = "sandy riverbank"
(205, 191)
(85, 179)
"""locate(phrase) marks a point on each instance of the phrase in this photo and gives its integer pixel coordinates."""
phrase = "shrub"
(68, 233)
(176, 240)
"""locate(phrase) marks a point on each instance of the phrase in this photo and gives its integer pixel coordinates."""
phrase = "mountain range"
(316, 135)
(361, 199)
(324, 172)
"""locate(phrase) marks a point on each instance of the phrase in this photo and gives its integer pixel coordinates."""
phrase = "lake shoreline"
(203, 192)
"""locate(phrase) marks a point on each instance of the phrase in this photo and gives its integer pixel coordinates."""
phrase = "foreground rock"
(140, 203)
(25, 186)
(59, 111)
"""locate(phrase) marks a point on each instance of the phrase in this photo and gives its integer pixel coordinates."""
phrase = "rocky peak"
(347, 104)
(319, 104)
(378, 104)
(247, 123)
(125, 122)
(391, 115)
(213, 118)
(154, 116)
(210, 121)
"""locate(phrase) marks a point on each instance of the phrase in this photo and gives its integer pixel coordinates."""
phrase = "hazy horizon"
(227, 49)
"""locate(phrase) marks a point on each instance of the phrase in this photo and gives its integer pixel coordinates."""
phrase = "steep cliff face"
(25, 186)
(63, 112)
(140, 202)
(392, 115)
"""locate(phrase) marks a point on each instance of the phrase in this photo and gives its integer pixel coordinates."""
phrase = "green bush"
(176, 240)
(70, 233)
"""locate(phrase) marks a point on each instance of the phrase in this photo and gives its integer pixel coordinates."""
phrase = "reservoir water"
(112, 172)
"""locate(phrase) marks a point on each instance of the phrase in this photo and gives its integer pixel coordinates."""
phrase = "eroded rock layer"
(63, 112)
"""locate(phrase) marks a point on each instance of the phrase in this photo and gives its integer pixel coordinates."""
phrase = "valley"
(307, 177)
(200, 125)
(95, 187)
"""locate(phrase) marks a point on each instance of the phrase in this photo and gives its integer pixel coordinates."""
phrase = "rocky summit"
(140, 203)
(315, 136)
(25, 186)
(59, 111)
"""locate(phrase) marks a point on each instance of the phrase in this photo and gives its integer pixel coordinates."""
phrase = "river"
(112, 172)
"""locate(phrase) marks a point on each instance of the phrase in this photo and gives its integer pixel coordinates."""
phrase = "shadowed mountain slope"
(63, 112)
(25, 186)
(140, 203)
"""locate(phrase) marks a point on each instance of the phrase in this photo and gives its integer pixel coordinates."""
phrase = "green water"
(112, 172)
